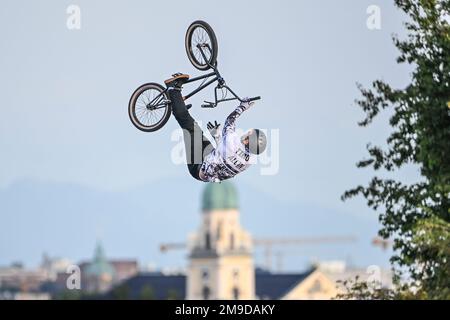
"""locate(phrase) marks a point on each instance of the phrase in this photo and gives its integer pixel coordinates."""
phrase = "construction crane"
(164, 247)
(269, 243)
(381, 242)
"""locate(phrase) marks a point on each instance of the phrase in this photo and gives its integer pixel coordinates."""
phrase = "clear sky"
(64, 96)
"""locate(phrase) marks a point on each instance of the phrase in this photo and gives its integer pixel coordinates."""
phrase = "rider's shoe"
(177, 80)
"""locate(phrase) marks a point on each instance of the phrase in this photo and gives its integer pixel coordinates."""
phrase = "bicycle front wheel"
(201, 37)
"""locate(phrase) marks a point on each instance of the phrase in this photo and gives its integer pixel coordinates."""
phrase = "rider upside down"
(233, 153)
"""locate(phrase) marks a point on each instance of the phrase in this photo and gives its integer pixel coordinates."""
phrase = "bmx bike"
(149, 107)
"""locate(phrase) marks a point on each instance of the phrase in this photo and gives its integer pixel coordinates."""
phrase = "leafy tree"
(71, 295)
(363, 290)
(147, 293)
(415, 215)
(121, 292)
(173, 294)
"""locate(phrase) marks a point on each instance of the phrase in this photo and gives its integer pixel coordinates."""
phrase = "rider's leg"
(196, 144)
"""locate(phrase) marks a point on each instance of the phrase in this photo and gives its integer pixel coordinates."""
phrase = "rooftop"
(219, 196)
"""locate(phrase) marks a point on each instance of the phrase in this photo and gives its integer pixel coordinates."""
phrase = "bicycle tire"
(134, 100)
(197, 60)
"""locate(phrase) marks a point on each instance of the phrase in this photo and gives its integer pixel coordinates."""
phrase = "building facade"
(220, 252)
(221, 265)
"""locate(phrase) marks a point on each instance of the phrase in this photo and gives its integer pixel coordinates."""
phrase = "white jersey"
(231, 156)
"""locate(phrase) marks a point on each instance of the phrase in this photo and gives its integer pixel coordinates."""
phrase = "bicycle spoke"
(145, 116)
(200, 58)
(151, 117)
(201, 37)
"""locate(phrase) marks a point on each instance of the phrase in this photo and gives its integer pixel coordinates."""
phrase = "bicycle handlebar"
(254, 98)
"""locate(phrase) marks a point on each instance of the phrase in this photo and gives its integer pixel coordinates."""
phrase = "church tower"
(99, 274)
(220, 252)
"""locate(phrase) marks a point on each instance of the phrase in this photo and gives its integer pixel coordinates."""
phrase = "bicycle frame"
(220, 85)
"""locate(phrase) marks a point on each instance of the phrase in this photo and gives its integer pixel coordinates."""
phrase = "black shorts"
(196, 144)
(194, 170)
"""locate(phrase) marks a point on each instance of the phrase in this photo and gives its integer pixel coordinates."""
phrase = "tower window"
(236, 293)
(207, 241)
(206, 292)
(219, 230)
(232, 241)
(205, 274)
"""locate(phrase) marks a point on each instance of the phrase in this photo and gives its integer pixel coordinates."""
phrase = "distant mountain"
(65, 220)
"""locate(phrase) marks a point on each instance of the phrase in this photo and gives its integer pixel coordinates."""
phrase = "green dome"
(217, 196)
(100, 264)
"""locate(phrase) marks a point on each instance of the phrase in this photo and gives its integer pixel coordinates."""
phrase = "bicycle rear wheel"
(149, 107)
(201, 35)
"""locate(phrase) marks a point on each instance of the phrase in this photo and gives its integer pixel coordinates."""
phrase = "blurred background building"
(220, 265)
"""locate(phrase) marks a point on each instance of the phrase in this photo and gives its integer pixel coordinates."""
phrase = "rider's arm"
(230, 122)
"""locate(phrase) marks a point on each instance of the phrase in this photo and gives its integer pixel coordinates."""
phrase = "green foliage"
(431, 238)
(121, 292)
(69, 295)
(173, 294)
(363, 290)
(147, 293)
(415, 215)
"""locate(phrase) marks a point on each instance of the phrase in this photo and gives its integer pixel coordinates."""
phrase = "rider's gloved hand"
(246, 103)
(213, 128)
